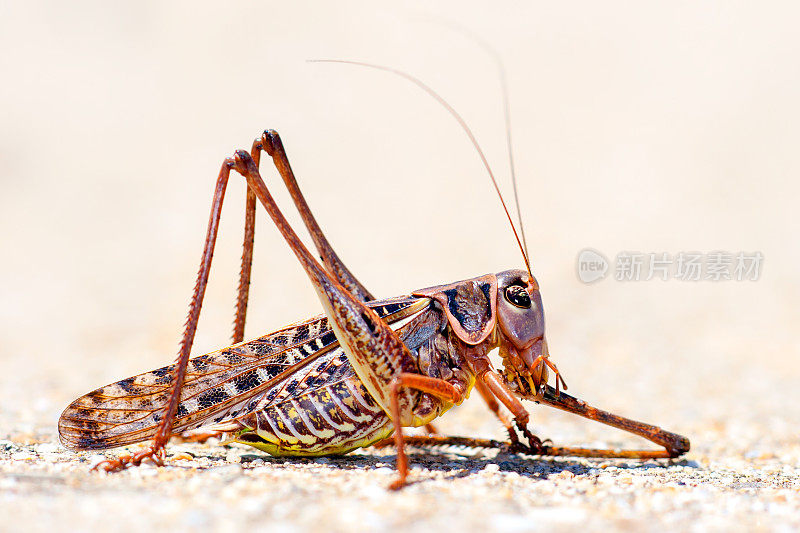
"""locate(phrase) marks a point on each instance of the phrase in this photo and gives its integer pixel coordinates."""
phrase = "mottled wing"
(219, 386)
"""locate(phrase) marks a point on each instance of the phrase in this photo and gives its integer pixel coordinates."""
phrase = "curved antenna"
(501, 69)
(507, 116)
(460, 121)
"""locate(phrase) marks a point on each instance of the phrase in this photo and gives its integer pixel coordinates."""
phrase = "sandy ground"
(636, 128)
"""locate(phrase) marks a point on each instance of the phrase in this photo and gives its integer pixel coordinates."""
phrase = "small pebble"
(46, 447)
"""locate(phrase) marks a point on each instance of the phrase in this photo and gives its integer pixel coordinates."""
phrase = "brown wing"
(218, 387)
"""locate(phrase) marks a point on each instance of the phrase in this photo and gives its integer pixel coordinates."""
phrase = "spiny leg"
(544, 451)
(354, 323)
(243, 292)
(375, 351)
(155, 451)
(271, 143)
(329, 256)
(674, 445)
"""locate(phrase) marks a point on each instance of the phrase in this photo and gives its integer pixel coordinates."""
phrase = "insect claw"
(514, 446)
(155, 454)
(112, 465)
(535, 445)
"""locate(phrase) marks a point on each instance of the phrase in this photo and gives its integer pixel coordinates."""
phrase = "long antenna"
(460, 121)
(501, 69)
(507, 116)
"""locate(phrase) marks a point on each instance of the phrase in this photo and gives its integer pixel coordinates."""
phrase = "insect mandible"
(353, 376)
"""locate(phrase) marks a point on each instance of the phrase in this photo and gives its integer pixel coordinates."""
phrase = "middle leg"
(437, 387)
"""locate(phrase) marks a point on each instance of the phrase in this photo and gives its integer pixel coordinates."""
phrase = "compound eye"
(518, 296)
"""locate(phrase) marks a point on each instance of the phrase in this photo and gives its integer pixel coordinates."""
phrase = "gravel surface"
(753, 484)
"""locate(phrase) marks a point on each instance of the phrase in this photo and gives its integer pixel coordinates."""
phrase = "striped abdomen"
(327, 411)
(325, 408)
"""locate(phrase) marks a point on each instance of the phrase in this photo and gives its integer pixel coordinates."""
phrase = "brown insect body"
(293, 392)
(348, 379)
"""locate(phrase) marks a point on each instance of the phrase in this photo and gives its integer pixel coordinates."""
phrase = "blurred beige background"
(636, 127)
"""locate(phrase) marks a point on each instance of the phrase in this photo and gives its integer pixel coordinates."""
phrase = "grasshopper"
(357, 374)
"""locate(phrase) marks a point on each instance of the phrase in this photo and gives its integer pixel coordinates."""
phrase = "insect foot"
(156, 455)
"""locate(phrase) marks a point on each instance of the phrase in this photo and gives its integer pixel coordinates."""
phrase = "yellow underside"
(280, 448)
(275, 447)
